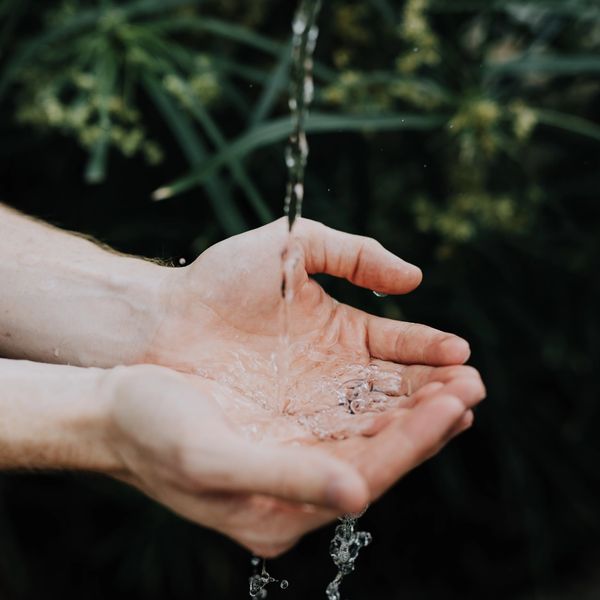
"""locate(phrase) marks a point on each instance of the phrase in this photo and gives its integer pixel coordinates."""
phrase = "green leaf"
(280, 129)
(582, 9)
(569, 123)
(231, 31)
(83, 20)
(277, 82)
(548, 64)
(107, 76)
(239, 173)
(235, 33)
(194, 150)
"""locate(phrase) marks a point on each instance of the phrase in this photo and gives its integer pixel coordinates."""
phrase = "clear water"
(344, 549)
(304, 41)
(358, 387)
(260, 579)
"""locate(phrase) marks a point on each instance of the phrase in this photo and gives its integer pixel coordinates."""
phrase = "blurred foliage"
(464, 135)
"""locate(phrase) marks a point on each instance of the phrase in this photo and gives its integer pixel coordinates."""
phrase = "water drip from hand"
(344, 549)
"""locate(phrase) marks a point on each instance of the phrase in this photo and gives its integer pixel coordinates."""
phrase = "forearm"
(63, 299)
(54, 417)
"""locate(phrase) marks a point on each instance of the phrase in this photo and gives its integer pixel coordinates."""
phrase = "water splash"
(344, 549)
(305, 35)
(260, 579)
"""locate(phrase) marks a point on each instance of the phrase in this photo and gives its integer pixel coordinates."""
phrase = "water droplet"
(299, 191)
(380, 294)
(255, 561)
(284, 584)
(290, 161)
(56, 352)
(309, 90)
(415, 49)
(182, 261)
(299, 24)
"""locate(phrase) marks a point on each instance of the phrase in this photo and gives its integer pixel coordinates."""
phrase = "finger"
(410, 440)
(464, 381)
(470, 391)
(361, 260)
(301, 475)
(427, 390)
(466, 422)
(411, 343)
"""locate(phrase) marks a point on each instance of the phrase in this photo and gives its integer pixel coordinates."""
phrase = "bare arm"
(163, 433)
(63, 299)
(53, 417)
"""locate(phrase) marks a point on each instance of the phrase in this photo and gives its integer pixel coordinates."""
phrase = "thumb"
(361, 260)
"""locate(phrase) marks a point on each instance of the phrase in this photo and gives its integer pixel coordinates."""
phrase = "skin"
(201, 418)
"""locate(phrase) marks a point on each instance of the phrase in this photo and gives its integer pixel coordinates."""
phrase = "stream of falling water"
(305, 34)
(347, 542)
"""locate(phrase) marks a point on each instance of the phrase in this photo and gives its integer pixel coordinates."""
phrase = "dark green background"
(511, 510)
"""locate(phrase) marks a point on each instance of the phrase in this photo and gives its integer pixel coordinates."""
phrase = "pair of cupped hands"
(182, 424)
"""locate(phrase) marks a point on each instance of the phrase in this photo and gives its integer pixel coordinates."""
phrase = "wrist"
(55, 418)
(169, 323)
(66, 300)
(141, 290)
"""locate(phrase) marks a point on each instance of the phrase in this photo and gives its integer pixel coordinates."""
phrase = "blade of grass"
(582, 10)
(553, 65)
(277, 82)
(84, 19)
(239, 173)
(279, 129)
(570, 123)
(107, 76)
(238, 34)
(195, 152)
(231, 31)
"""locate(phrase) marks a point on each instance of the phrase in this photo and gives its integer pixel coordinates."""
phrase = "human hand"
(225, 319)
(175, 443)
(224, 323)
(172, 440)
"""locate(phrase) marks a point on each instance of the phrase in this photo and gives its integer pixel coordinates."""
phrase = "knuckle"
(370, 244)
